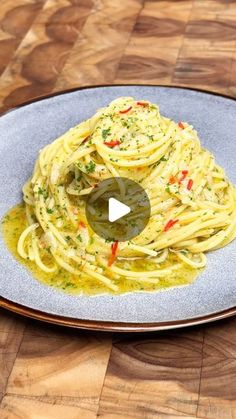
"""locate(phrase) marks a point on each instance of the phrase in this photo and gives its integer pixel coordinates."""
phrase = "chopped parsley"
(49, 210)
(42, 191)
(105, 133)
(109, 240)
(90, 167)
(163, 159)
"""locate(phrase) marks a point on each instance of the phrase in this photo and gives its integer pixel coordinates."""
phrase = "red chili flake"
(170, 224)
(172, 179)
(82, 224)
(112, 258)
(190, 184)
(95, 185)
(142, 103)
(112, 144)
(181, 125)
(126, 110)
(114, 247)
(184, 175)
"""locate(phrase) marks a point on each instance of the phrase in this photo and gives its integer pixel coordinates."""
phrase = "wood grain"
(11, 334)
(156, 375)
(146, 58)
(206, 58)
(225, 346)
(51, 372)
(96, 55)
(43, 52)
(232, 78)
(63, 370)
(217, 391)
(212, 27)
(145, 62)
(15, 20)
(204, 69)
(164, 25)
(23, 407)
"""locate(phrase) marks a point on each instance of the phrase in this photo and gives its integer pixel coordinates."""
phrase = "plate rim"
(100, 325)
(86, 87)
(109, 326)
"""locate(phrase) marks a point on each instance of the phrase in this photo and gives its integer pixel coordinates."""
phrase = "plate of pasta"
(168, 153)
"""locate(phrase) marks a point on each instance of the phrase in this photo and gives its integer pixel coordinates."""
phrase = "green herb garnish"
(105, 133)
(49, 210)
(90, 167)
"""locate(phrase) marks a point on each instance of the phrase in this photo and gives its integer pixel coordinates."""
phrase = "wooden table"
(50, 372)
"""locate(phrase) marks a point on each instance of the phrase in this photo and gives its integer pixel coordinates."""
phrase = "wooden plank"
(206, 57)
(6, 364)
(40, 329)
(14, 406)
(62, 371)
(163, 22)
(153, 376)
(221, 7)
(206, 69)
(9, 342)
(43, 52)
(209, 28)
(153, 48)
(218, 390)
(232, 78)
(96, 55)
(10, 322)
(15, 21)
(220, 339)
(11, 334)
(144, 62)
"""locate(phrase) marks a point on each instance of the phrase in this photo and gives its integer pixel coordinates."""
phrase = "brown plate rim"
(97, 324)
(100, 325)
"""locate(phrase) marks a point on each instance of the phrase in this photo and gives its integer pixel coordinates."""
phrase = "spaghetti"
(193, 204)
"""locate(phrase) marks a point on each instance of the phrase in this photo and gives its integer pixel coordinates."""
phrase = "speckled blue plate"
(25, 130)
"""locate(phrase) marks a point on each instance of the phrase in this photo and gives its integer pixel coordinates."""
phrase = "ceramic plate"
(25, 130)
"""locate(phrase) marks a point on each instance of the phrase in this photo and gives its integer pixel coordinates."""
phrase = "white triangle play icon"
(116, 210)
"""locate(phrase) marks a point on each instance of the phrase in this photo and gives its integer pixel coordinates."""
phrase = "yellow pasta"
(193, 204)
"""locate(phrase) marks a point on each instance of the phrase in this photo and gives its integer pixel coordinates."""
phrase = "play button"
(118, 209)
